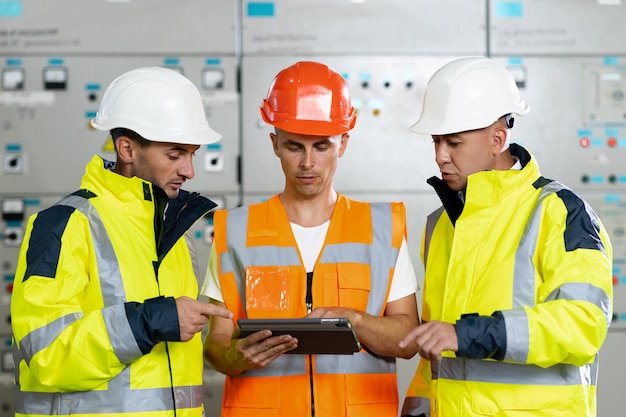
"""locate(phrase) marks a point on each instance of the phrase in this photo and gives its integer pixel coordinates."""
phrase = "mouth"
(177, 185)
(306, 178)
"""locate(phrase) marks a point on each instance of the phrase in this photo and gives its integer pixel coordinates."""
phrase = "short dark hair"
(131, 134)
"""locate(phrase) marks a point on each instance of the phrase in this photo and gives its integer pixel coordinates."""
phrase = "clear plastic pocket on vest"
(267, 288)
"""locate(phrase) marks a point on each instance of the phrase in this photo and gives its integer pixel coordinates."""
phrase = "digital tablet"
(315, 336)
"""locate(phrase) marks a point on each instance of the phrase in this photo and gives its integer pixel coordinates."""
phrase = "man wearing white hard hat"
(105, 315)
(518, 268)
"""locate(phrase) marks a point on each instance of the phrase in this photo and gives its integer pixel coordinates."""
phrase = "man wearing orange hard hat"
(310, 252)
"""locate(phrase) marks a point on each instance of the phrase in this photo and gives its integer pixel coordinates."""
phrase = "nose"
(441, 154)
(307, 158)
(186, 169)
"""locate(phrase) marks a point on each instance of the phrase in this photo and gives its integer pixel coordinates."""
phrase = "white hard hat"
(159, 104)
(466, 94)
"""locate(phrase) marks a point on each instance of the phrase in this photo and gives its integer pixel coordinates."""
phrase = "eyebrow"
(319, 142)
(448, 136)
(180, 149)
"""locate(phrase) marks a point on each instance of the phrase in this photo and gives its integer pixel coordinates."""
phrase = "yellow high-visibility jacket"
(93, 310)
(262, 276)
(524, 269)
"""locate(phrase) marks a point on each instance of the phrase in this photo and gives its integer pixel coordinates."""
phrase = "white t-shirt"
(310, 241)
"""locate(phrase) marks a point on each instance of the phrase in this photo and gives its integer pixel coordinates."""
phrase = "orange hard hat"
(309, 98)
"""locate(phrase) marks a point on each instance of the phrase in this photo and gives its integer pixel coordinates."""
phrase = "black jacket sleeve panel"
(153, 321)
(481, 337)
(44, 245)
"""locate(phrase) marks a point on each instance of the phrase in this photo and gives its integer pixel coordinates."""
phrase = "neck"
(122, 169)
(504, 161)
(311, 212)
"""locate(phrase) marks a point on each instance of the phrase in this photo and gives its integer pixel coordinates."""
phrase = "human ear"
(343, 144)
(125, 150)
(274, 139)
(498, 140)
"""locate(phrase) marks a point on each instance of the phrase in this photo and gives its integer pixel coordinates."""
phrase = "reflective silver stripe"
(431, 222)
(119, 397)
(113, 287)
(193, 253)
(583, 291)
(113, 293)
(517, 374)
(517, 335)
(523, 291)
(42, 337)
(104, 402)
(359, 363)
(285, 365)
(17, 358)
(122, 339)
(524, 271)
(271, 256)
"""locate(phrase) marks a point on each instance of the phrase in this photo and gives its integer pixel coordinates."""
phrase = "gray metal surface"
(97, 27)
(557, 27)
(372, 26)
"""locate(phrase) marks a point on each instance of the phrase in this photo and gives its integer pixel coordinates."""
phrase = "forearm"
(220, 351)
(382, 335)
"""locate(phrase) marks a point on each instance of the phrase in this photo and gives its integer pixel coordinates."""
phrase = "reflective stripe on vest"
(515, 374)
(431, 221)
(517, 321)
(358, 363)
(190, 241)
(380, 255)
(119, 397)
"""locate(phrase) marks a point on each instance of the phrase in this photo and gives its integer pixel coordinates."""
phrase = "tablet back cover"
(315, 336)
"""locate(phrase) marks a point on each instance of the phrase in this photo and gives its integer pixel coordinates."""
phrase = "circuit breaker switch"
(12, 236)
(214, 162)
(13, 163)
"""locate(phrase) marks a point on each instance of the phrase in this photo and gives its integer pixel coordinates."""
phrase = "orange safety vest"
(262, 276)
